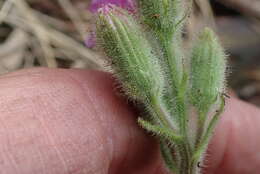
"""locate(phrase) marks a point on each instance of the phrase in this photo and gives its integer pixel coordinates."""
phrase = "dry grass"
(45, 33)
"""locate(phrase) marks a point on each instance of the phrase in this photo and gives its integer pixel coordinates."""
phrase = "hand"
(71, 122)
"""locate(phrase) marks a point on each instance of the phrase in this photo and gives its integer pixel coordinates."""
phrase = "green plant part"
(162, 15)
(182, 103)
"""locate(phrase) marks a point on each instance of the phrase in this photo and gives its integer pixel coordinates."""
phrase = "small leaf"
(160, 131)
(206, 137)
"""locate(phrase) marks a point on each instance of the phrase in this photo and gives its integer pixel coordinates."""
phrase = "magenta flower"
(125, 4)
(91, 40)
(129, 5)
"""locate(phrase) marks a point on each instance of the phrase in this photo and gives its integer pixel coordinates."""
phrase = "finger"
(70, 121)
(56, 89)
(235, 146)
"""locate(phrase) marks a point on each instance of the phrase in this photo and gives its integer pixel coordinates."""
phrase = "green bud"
(208, 65)
(132, 57)
(161, 15)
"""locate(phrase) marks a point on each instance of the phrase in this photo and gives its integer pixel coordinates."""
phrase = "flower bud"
(129, 5)
(161, 15)
(208, 65)
(132, 57)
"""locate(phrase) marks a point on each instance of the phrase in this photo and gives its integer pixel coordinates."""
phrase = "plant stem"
(175, 72)
(174, 69)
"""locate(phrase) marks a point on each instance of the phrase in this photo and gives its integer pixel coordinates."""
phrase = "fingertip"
(235, 145)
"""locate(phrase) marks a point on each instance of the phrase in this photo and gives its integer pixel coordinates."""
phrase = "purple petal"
(91, 40)
(129, 5)
(126, 4)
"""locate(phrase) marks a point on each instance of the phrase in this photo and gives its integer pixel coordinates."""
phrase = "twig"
(15, 42)
(13, 49)
(5, 10)
(54, 22)
(39, 31)
(63, 41)
(74, 16)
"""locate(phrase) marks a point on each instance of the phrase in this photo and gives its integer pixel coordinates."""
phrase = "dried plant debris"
(46, 33)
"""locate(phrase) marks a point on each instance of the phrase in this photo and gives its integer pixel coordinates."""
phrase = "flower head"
(105, 5)
(125, 4)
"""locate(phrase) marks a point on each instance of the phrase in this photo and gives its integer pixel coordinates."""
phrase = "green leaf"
(160, 131)
(207, 135)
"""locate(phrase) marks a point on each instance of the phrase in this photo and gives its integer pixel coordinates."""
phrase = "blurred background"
(60, 33)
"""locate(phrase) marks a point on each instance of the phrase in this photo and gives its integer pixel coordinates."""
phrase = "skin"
(57, 121)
